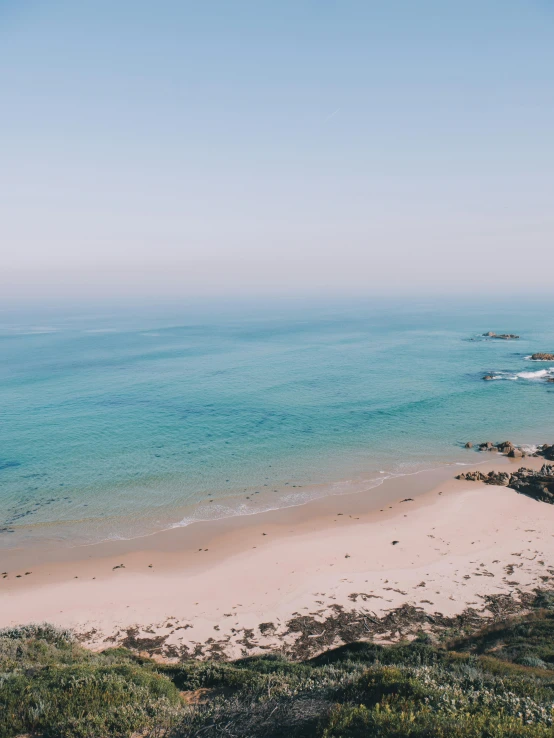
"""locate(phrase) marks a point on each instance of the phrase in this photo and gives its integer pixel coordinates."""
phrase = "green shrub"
(51, 686)
(347, 721)
(495, 683)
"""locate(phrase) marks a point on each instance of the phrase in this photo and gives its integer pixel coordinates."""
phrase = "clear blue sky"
(180, 148)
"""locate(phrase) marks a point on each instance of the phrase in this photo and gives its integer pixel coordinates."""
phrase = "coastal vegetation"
(491, 681)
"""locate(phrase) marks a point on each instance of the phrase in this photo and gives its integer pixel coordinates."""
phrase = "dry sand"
(427, 540)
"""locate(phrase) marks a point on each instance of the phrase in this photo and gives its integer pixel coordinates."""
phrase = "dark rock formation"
(501, 479)
(505, 447)
(486, 446)
(511, 450)
(546, 451)
(536, 484)
(542, 357)
(475, 476)
(488, 377)
(503, 336)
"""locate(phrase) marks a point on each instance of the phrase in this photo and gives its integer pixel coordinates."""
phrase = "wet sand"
(425, 539)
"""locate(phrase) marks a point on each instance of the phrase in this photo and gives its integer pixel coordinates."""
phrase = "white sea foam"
(539, 375)
(31, 331)
(224, 509)
(100, 330)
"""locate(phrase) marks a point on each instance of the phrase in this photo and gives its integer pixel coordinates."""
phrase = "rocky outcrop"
(488, 377)
(487, 446)
(546, 451)
(536, 484)
(503, 336)
(499, 478)
(505, 447)
(539, 485)
(542, 357)
(474, 476)
(514, 452)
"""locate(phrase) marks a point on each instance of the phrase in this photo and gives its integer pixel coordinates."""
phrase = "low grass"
(51, 686)
(496, 683)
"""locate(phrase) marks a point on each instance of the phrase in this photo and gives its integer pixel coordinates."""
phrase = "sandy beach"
(234, 587)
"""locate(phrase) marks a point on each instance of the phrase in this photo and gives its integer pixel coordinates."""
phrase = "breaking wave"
(541, 374)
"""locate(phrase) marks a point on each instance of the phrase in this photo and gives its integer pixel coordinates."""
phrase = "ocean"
(119, 421)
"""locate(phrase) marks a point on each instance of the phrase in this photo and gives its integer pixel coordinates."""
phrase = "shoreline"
(206, 588)
(227, 507)
(363, 483)
(360, 498)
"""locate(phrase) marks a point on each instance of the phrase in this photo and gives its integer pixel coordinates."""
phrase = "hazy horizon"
(243, 149)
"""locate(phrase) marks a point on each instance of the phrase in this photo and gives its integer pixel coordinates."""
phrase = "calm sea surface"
(119, 422)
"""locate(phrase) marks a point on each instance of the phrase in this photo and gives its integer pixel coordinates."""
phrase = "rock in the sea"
(505, 447)
(511, 450)
(542, 357)
(488, 377)
(504, 336)
(486, 446)
(468, 445)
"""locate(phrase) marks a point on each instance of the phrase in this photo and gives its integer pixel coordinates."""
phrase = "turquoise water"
(118, 422)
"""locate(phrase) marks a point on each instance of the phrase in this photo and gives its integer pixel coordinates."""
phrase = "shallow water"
(119, 422)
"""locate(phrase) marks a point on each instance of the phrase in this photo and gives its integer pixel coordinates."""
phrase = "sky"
(232, 147)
